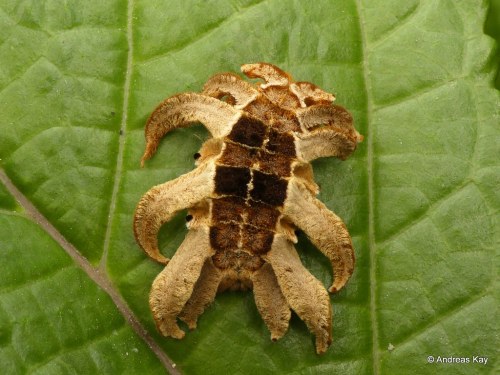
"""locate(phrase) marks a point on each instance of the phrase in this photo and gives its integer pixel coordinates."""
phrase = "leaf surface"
(419, 196)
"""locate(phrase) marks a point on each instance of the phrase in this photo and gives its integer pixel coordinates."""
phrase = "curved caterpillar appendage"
(174, 285)
(183, 110)
(325, 230)
(163, 201)
(305, 294)
(223, 84)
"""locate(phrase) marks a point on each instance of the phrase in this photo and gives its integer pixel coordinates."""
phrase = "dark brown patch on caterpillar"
(248, 131)
(268, 188)
(232, 181)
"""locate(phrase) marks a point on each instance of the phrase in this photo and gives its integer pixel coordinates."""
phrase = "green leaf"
(419, 196)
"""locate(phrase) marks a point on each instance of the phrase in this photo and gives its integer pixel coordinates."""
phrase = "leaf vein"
(121, 138)
(200, 36)
(402, 22)
(441, 318)
(100, 278)
(371, 204)
(418, 93)
(82, 345)
(431, 208)
(24, 284)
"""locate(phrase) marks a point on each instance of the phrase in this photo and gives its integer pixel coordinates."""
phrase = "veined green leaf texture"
(420, 197)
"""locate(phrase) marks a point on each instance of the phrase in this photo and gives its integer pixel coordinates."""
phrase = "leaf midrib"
(121, 138)
(369, 166)
(102, 267)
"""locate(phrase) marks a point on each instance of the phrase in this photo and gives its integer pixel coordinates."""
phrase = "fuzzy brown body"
(251, 180)
(252, 188)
